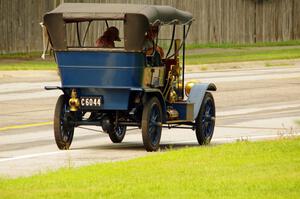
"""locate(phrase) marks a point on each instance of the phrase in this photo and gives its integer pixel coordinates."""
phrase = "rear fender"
(197, 94)
(64, 90)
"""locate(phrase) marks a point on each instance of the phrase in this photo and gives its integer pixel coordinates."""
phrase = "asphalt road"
(251, 104)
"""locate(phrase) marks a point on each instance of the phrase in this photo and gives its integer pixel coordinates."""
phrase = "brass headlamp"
(188, 87)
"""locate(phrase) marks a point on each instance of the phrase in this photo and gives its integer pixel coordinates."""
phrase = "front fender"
(197, 94)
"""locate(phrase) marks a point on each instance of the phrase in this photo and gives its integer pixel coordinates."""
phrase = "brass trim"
(177, 121)
(74, 101)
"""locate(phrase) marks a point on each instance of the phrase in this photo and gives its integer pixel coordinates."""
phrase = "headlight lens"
(188, 87)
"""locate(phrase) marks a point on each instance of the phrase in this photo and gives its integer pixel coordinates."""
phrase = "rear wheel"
(152, 124)
(63, 129)
(117, 134)
(205, 121)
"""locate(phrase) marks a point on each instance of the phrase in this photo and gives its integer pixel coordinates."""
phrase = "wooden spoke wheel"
(63, 129)
(205, 121)
(117, 134)
(152, 124)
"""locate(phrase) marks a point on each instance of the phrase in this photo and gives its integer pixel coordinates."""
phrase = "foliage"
(28, 65)
(240, 45)
(251, 55)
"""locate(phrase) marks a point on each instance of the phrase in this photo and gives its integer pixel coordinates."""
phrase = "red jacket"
(105, 42)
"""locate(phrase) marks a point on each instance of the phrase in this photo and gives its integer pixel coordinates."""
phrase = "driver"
(149, 43)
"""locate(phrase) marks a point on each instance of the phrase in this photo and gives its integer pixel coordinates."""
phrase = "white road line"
(24, 86)
(244, 78)
(253, 110)
(255, 137)
(9, 91)
(33, 95)
(212, 75)
(222, 140)
(31, 156)
(233, 139)
(245, 75)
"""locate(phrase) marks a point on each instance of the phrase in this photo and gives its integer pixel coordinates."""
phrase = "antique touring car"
(120, 87)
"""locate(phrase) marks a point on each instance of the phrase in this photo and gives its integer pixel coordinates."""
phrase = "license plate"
(90, 101)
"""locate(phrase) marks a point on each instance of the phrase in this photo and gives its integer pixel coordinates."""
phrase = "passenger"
(107, 40)
(149, 42)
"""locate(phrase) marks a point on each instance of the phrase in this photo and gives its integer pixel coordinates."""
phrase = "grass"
(31, 61)
(28, 65)
(235, 45)
(194, 59)
(253, 55)
(21, 55)
(278, 64)
(26, 61)
(268, 169)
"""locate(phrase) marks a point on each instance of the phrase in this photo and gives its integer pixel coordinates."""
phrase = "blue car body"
(112, 75)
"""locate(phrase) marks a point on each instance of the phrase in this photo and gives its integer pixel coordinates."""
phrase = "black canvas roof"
(137, 20)
(154, 13)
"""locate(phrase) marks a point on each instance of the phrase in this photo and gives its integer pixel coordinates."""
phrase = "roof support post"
(78, 34)
(183, 61)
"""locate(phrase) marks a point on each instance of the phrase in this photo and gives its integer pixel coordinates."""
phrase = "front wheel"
(63, 129)
(205, 121)
(152, 124)
(117, 134)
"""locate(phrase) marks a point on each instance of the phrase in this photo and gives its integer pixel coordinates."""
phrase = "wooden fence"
(217, 21)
